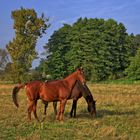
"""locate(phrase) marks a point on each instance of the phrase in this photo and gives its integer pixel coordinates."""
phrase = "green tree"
(57, 47)
(101, 47)
(28, 27)
(133, 71)
(135, 43)
(4, 58)
(117, 49)
(81, 47)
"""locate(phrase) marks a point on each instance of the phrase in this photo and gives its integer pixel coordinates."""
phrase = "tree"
(28, 27)
(4, 59)
(133, 71)
(57, 47)
(135, 43)
(101, 47)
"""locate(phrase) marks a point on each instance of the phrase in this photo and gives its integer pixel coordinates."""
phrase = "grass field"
(118, 116)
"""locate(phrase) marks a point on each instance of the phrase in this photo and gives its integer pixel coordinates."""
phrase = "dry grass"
(118, 109)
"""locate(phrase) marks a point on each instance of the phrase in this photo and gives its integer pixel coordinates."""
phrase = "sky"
(68, 11)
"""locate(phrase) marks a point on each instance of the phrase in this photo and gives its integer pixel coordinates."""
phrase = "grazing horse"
(52, 91)
(78, 91)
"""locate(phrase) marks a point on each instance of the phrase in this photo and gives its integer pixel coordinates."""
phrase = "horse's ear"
(80, 69)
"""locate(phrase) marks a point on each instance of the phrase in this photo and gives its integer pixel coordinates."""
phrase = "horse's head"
(92, 108)
(81, 76)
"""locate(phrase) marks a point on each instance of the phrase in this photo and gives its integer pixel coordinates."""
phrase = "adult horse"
(78, 91)
(59, 90)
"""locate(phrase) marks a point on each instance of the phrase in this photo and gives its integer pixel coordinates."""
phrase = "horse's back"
(54, 91)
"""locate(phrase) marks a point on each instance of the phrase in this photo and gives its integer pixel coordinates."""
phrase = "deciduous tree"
(28, 28)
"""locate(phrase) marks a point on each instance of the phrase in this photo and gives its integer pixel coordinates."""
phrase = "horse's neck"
(85, 90)
(71, 80)
(87, 94)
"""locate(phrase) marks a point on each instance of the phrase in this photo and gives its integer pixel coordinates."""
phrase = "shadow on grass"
(80, 114)
(104, 112)
(100, 114)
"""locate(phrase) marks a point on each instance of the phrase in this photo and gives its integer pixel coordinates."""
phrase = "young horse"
(78, 91)
(59, 90)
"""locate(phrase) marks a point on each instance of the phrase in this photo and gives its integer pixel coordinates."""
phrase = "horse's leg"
(45, 107)
(34, 109)
(71, 112)
(74, 105)
(55, 107)
(58, 112)
(62, 108)
(30, 108)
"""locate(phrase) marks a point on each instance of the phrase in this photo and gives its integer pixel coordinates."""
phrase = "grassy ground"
(118, 117)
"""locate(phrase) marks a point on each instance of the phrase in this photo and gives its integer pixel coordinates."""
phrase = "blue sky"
(68, 11)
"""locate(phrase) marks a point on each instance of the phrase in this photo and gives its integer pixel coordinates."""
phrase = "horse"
(51, 91)
(78, 91)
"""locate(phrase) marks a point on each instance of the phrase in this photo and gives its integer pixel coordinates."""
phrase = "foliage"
(28, 27)
(101, 47)
(57, 47)
(135, 43)
(4, 59)
(43, 70)
(133, 71)
(5, 74)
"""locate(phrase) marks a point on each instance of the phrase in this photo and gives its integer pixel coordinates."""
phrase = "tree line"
(102, 47)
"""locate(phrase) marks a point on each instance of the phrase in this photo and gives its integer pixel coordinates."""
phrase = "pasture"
(118, 116)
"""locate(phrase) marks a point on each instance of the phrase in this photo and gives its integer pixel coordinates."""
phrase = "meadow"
(118, 116)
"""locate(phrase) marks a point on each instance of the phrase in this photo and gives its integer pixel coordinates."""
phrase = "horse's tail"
(15, 91)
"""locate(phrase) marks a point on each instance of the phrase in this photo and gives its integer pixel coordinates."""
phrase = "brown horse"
(52, 91)
(78, 91)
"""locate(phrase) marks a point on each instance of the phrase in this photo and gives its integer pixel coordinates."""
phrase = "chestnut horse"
(78, 91)
(52, 91)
